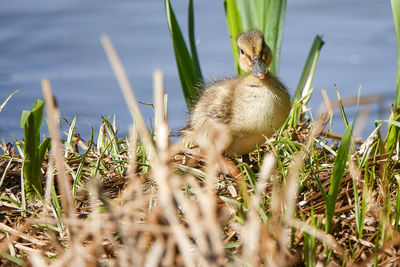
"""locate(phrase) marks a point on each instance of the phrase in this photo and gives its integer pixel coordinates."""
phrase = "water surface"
(60, 40)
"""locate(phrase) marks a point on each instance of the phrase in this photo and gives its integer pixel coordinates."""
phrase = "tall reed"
(393, 131)
(187, 62)
(396, 20)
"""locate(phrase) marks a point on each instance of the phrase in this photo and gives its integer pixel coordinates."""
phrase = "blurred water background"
(60, 40)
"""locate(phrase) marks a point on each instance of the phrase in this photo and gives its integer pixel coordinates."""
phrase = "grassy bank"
(307, 196)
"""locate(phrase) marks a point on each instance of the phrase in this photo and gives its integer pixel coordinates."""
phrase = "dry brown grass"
(170, 218)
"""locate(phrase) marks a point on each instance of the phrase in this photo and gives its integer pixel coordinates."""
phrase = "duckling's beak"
(258, 67)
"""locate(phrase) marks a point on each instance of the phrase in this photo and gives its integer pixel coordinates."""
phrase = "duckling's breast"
(260, 108)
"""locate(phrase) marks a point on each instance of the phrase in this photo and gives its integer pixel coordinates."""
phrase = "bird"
(246, 110)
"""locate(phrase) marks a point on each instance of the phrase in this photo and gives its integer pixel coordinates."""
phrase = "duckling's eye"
(241, 51)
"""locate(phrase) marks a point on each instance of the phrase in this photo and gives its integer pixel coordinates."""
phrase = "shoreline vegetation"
(307, 197)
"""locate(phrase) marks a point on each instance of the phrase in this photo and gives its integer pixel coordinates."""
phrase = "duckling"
(248, 109)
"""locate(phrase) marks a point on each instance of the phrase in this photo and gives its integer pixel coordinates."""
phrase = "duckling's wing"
(219, 102)
(220, 113)
(214, 105)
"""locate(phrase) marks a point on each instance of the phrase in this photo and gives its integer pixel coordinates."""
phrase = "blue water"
(60, 40)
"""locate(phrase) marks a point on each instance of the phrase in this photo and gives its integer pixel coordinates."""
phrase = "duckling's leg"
(218, 140)
(184, 154)
(213, 138)
(182, 145)
(252, 164)
(246, 158)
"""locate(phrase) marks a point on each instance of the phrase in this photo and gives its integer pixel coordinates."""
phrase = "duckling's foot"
(227, 167)
(191, 157)
(251, 162)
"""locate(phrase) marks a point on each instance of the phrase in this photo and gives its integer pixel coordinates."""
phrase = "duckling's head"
(254, 54)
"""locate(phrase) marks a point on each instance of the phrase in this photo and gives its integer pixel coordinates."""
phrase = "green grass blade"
(78, 179)
(70, 137)
(310, 243)
(13, 259)
(393, 132)
(248, 173)
(56, 207)
(273, 30)
(397, 208)
(391, 139)
(24, 117)
(260, 7)
(321, 188)
(309, 68)
(337, 175)
(23, 191)
(44, 146)
(115, 149)
(245, 14)
(100, 139)
(358, 208)
(11, 201)
(396, 18)
(188, 75)
(363, 210)
(341, 108)
(395, 123)
(33, 151)
(71, 130)
(235, 27)
(37, 112)
(192, 42)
